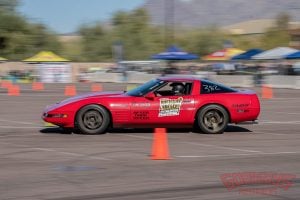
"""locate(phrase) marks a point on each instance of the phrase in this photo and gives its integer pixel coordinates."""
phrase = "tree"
(20, 38)
(201, 41)
(282, 21)
(8, 5)
(139, 39)
(277, 35)
(96, 43)
(275, 38)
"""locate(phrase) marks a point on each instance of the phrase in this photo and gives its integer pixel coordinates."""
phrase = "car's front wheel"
(212, 119)
(92, 120)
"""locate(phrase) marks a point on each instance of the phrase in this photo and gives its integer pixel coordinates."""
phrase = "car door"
(175, 109)
(165, 109)
(143, 110)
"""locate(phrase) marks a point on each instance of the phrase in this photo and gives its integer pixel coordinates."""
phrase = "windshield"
(145, 88)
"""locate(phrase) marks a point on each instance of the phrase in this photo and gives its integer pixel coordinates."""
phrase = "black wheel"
(92, 120)
(212, 119)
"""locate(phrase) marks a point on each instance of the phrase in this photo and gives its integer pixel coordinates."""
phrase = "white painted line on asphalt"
(17, 122)
(194, 143)
(233, 155)
(19, 135)
(278, 122)
(24, 135)
(56, 151)
(284, 98)
(136, 136)
(44, 149)
(262, 132)
(220, 147)
(23, 127)
(71, 154)
(289, 113)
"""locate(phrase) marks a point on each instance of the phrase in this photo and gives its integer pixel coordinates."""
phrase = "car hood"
(91, 95)
(84, 96)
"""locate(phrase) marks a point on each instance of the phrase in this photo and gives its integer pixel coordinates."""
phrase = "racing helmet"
(177, 88)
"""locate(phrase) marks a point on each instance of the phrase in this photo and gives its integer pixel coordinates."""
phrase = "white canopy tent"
(274, 54)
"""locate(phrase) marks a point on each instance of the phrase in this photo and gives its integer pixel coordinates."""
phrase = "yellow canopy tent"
(224, 54)
(2, 59)
(46, 56)
(51, 68)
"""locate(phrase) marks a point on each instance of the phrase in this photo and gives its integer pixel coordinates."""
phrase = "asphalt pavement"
(38, 162)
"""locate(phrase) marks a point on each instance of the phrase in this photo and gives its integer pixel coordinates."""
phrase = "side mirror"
(150, 96)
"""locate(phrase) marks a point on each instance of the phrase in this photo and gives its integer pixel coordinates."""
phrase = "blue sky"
(65, 16)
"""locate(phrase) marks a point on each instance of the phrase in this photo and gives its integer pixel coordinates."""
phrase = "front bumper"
(59, 119)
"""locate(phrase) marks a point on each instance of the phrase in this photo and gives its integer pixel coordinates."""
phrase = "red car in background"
(163, 102)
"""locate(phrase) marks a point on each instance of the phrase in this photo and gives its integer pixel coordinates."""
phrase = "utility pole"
(169, 9)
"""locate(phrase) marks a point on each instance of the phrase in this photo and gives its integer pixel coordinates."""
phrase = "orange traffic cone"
(70, 90)
(160, 147)
(13, 90)
(267, 92)
(96, 87)
(37, 86)
(5, 84)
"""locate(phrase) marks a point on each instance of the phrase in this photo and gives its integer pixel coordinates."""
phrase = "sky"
(65, 16)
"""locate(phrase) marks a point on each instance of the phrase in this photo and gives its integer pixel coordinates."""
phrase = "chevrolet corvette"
(170, 102)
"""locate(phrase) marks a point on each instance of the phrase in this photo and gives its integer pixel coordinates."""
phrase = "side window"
(175, 89)
(188, 88)
(166, 90)
(208, 87)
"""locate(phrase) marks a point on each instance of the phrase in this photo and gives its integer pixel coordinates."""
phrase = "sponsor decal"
(118, 105)
(241, 108)
(240, 105)
(242, 111)
(169, 107)
(257, 183)
(210, 88)
(141, 115)
(141, 104)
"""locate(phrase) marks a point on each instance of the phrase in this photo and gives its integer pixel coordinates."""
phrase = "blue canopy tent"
(247, 55)
(295, 55)
(174, 53)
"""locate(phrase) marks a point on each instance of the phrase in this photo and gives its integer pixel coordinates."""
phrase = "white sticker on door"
(169, 107)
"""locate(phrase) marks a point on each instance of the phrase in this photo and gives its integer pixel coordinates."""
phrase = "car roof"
(179, 78)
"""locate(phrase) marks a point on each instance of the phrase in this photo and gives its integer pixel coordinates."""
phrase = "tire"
(212, 119)
(92, 120)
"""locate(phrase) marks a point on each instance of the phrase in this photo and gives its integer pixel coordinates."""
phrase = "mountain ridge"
(202, 13)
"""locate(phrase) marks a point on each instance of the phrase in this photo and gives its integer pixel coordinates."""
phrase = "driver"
(177, 88)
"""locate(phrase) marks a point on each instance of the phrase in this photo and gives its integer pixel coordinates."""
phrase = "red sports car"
(163, 102)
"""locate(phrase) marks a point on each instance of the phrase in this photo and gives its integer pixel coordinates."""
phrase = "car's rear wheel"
(212, 119)
(92, 120)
